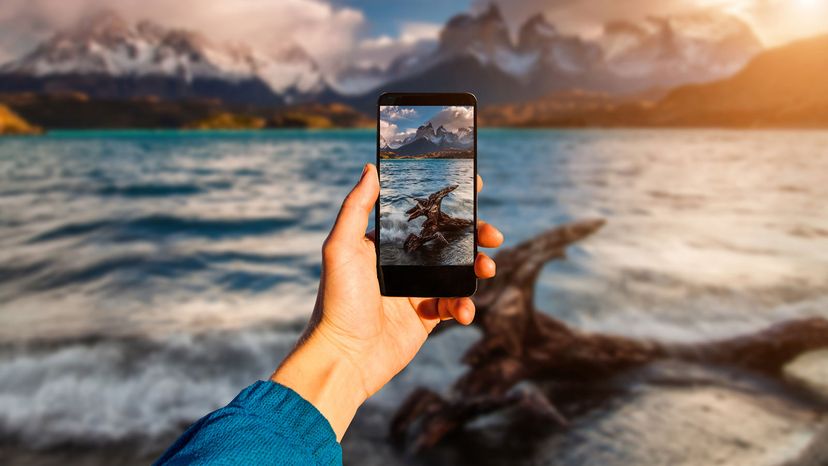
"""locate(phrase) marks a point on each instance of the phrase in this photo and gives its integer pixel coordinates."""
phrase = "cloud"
(587, 18)
(775, 21)
(779, 21)
(454, 118)
(387, 130)
(415, 38)
(392, 133)
(328, 33)
(394, 112)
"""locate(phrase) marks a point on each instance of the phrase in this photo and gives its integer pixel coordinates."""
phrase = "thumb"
(352, 220)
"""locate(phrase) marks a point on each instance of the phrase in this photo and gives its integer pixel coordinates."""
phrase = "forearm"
(318, 371)
(265, 424)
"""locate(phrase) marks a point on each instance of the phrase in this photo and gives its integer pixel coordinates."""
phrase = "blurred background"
(170, 170)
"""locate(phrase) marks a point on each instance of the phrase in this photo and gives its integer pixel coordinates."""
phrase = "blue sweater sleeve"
(266, 423)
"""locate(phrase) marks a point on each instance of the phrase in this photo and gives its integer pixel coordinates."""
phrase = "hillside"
(75, 110)
(786, 86)
(782, 87)
(12, 124)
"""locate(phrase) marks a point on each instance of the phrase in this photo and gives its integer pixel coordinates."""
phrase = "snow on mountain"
(473, 53)
(626, 57)
(439, 138)
(106, 44)
(705, 45)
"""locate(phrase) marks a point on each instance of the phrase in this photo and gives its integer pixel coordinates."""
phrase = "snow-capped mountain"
(105, 45)
(693, 47)
(428, 139)
(105, 56)
(477, 53)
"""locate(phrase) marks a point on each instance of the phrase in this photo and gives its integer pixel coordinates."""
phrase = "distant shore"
(443, 154)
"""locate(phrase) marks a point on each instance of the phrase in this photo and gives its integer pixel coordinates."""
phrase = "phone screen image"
(427, 181)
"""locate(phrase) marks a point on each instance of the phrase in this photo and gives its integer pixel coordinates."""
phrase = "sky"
(372, 32)
(398, 122)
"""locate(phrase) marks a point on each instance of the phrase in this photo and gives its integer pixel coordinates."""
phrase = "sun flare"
(807, 4)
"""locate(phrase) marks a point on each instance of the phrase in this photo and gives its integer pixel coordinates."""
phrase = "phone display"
(426, 212)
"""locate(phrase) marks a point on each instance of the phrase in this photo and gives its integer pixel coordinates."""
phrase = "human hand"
(357, 339)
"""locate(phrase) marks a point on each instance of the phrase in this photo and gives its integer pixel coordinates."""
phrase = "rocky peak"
(105, 24)
(425, 131)
(480, 34)
(106, 44)
(535, 32)
(700, 46)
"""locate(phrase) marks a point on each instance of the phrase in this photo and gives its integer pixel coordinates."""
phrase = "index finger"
(479, 183)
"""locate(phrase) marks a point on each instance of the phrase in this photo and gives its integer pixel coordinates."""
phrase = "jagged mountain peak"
(479, 34)
(691, 47)
(105, 44)
(537, 24)
(103, 22)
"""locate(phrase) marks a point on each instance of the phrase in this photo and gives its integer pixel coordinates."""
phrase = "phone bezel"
(441, 281)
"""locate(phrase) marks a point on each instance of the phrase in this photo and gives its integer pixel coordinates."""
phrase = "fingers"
(484, 266)
(479, 183)
(462, 309)
(434, 310)
(488, 236)
(353, 216)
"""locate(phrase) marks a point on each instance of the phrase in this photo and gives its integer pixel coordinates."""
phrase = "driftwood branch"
(436, 224)
(521, 344)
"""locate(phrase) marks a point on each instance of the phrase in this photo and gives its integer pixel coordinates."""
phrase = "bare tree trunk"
(521, 344)
(437, 223)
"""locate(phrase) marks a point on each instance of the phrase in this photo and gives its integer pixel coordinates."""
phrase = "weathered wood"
(436, 224)
(521, 344)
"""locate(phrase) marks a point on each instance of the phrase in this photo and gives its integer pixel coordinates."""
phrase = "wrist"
(319, 372)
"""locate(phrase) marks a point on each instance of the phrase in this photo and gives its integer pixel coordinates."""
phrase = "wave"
(166, 225)
(233, 271)
(150, 190)
(98, 390)
(395, 227)
(94, 391)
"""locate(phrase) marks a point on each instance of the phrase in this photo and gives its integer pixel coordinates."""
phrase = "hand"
(357, 339)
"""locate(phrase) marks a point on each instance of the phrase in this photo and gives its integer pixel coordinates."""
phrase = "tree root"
(520, 344)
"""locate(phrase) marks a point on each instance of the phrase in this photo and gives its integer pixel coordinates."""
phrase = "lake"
(146, 277)
(402, 180)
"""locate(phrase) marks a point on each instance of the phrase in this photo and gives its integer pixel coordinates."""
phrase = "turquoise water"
(146, 276)
(403, 180)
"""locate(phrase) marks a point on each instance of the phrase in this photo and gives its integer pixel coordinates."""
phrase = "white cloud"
(414, 38)
(415, 31)
(775, 21)
(453, 118)
(392, 133)
(779, 21)
(328, 33)
(394, 112)
(387, 130)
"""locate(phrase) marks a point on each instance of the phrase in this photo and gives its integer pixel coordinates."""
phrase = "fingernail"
(364, 171)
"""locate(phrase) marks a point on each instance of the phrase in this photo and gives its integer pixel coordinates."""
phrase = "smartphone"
(426, 213)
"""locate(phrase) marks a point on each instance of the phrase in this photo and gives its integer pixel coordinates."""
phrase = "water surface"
(146, 277)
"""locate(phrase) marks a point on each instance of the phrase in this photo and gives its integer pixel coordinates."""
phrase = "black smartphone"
(426, 213)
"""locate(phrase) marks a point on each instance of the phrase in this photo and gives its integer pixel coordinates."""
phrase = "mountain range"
(427, 139)
(702, 69)
(105, 56)
(477, 53)
(785, 86)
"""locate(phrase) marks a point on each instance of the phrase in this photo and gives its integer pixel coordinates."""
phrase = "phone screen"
(427, 181)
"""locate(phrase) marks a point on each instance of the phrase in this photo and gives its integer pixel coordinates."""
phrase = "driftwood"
(521, 344)
(436, 222)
